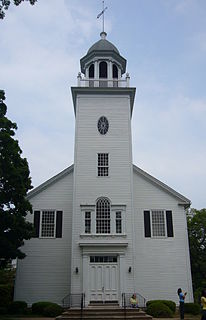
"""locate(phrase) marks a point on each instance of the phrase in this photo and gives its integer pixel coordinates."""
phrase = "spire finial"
(102, 14)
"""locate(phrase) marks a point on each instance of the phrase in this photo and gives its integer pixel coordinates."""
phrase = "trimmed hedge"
(18, 307)
(38, 307)
(46, 308)
(170, 304)
(159, 310)
(6, 292)
(53, 310)
(193, 308)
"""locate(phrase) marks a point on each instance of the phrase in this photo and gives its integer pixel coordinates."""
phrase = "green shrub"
(192, 308)
(46, 308)
(3, 310)
(159, 310)
(170, 304)
(6, 293)
(38, 307)
(53, 310)
(17, 307)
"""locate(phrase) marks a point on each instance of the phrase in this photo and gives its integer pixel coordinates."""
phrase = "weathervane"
(102, 14)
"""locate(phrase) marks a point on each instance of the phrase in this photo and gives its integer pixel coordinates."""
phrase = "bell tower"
(102, 221)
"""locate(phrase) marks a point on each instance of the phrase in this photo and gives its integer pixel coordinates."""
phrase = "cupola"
(103, 66)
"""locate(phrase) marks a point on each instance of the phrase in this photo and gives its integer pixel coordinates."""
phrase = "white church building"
(104, 226)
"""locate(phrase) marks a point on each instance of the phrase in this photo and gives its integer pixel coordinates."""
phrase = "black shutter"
(169, 224)
(147, 226)
(36, 223)
(59, 224)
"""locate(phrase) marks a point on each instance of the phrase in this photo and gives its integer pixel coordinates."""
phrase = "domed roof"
(102, 49)
(103, 45)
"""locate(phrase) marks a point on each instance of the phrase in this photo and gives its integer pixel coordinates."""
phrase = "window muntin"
(48, 224)
(103, 259)
(158, 223)
(118, 222)
(103, 164)
(103, 216)
(87, 222)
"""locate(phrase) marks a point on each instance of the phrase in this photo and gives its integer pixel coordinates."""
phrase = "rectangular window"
(118, 222)
(87, 222)
(48, 224)
(158, 223)
(103, 164)
(103, 259)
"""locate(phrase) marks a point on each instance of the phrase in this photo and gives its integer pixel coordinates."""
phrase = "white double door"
(103, 282)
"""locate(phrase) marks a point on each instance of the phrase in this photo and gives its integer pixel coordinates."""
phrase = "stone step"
(94, 313)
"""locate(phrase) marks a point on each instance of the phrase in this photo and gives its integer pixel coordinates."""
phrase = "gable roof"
(182, 200)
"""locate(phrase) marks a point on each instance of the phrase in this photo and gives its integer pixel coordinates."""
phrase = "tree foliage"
(197, 241)
(4, 5)
(14, 184)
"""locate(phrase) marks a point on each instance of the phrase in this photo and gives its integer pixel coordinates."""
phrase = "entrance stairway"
(104, 313)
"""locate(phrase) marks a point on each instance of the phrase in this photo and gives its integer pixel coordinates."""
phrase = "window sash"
(118, 222)
(103, 164)
(87, 225)
(158, 223)
(48, 224)
(103, 222)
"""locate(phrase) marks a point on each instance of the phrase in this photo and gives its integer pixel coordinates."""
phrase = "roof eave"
(182, 200)
(49, 182)
(103, 53)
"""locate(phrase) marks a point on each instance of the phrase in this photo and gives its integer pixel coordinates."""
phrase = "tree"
(14, 184)
(197, 240)
(4, 5)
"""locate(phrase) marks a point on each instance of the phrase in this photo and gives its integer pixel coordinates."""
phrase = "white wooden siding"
(44, 275)
(87, 186)
(162, 265)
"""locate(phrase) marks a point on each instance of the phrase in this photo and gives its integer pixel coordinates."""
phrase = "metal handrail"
(126, 300)
(72, 300)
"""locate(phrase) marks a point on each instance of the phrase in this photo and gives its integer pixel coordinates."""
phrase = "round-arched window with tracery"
(103, 216)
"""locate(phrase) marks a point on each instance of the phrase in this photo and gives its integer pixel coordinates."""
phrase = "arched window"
(91, 71)
(114, 71)
(103, 69)
(103, 216)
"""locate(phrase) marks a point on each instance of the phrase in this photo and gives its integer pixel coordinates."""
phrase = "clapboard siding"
(162, 265)
(45, 272)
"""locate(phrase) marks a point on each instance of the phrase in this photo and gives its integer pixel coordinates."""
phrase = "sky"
(164, 42)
